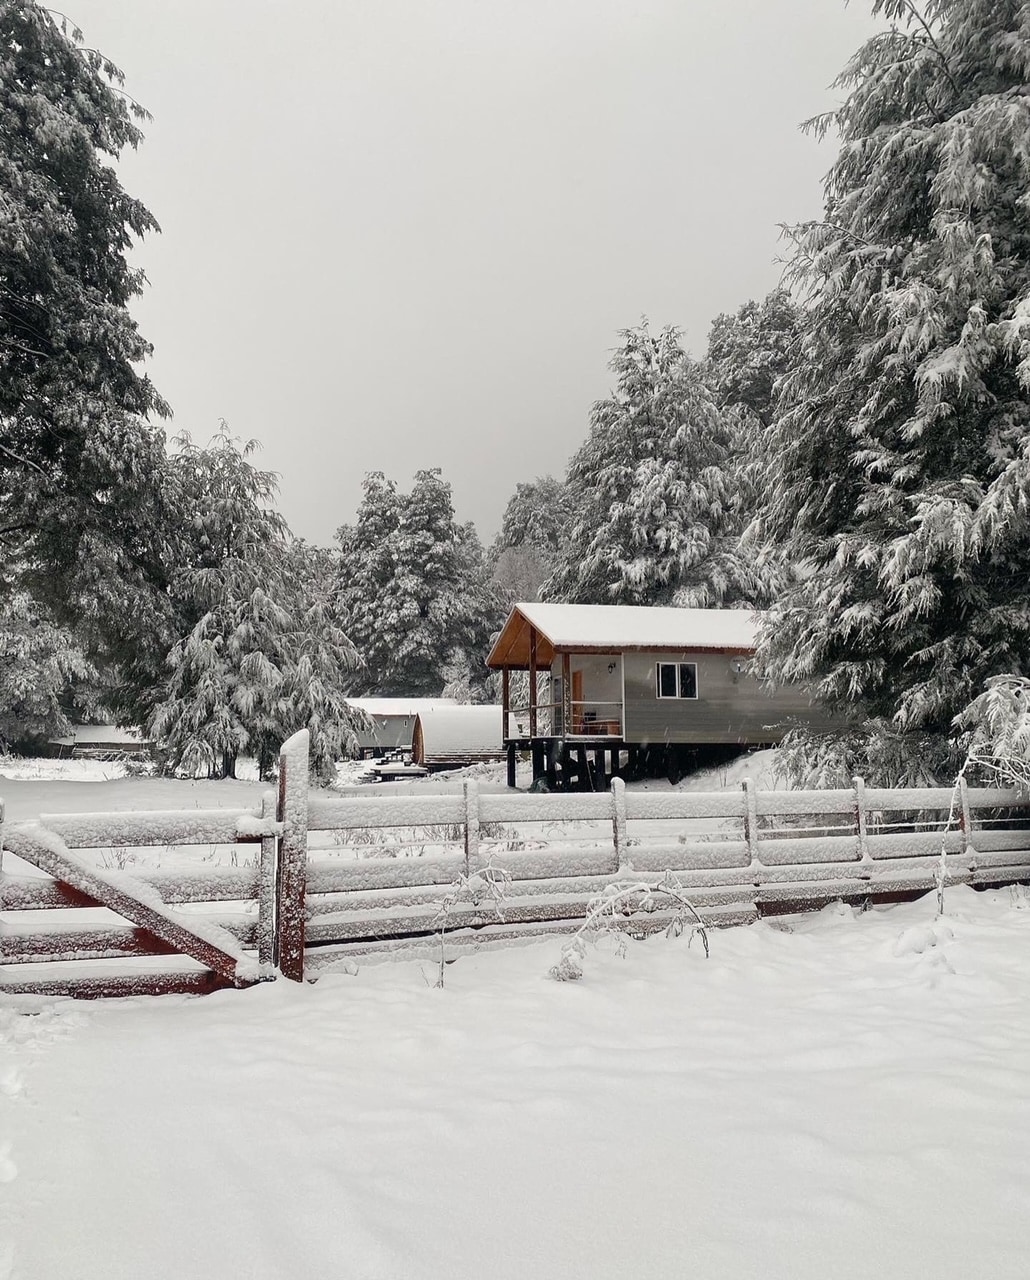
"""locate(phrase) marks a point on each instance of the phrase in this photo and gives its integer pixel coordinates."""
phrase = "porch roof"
(611, 628)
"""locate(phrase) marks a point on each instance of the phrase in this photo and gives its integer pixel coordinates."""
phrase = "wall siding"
(728, 708)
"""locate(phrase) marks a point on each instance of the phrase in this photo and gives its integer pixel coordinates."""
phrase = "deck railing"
(589, 718)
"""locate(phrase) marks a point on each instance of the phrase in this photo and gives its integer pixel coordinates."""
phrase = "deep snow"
(847, 1097)
(841, 1095)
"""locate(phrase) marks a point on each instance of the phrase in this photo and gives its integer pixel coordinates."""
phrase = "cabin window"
(676, 679)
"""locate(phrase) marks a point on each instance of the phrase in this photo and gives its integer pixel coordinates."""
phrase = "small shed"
(99, 742)
(646, 686)
(391, 724)
(447, 737)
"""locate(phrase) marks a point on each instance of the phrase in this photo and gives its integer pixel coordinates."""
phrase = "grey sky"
(404, 233)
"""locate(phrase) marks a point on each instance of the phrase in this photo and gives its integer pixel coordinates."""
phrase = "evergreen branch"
(26, 462)
(19, 346)
(921, 20)
(111, 72)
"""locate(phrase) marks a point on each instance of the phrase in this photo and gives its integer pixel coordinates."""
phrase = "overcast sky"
(404, 233)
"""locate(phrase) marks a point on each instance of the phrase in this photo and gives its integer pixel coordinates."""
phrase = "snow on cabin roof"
(398, 706)
(89, 735)
(613, 627)
(462, 729)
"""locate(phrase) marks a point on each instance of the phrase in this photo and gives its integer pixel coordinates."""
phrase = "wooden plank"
(30, 944)
(197, 884)
(542, 806)
(321, 958)
(382, 809)
(383, 924)
(372, 902)
(155, 829)
(137, 902)
(199, 982)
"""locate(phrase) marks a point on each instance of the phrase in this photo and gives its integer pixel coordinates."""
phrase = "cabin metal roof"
(461, 729)
(405, 708)
(616, 628)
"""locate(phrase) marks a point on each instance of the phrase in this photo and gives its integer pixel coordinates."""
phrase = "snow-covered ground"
(841, 1095)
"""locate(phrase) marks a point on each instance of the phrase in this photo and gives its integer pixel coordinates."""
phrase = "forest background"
(850, 453)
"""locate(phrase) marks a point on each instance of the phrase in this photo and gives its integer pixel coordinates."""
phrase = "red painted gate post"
(291, 881)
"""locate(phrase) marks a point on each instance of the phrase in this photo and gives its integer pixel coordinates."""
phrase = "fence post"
(291, 881)
(619, 825)
(751, 837)
(266, 885)
(862, 829)
(751, 820)
(472, 858)
(965, 825)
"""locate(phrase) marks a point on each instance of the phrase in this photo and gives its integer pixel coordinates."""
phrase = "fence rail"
(329, 876)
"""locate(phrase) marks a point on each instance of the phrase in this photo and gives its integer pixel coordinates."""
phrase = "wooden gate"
(98, 954)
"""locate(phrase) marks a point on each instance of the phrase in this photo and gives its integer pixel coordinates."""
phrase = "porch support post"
(511, 764)
(532, 682)
(505, 702)
(568, 724)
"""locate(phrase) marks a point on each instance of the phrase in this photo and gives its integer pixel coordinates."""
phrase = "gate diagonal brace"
(138, 903)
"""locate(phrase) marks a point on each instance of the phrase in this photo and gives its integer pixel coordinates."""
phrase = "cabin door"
(577, 702)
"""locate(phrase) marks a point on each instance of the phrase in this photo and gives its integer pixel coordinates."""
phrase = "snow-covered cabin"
(99, 742)
(633, 679)
(447, 737)
(392, 722)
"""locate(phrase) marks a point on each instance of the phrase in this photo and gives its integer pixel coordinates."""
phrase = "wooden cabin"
(620, 689)
(99, 742)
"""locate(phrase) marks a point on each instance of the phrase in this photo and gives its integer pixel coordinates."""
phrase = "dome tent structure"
(447, 737)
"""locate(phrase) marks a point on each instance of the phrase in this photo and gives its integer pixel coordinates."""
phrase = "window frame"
(679, 695)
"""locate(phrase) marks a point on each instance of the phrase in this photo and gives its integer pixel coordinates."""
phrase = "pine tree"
(82, 521)
(749, 353)
(38, 663)
(901, 486)
(412, 588)
(651, 489)
(260, 652)
(523, 553)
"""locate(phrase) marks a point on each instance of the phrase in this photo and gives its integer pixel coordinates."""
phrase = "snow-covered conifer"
(651, 491)
(901, 483)
(261, 653)
(38, 663)
(81, 515)
(412, 588)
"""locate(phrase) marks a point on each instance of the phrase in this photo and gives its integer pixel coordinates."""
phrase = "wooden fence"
(327, 876)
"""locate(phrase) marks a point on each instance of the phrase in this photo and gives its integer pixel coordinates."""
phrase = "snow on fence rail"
(358, 873)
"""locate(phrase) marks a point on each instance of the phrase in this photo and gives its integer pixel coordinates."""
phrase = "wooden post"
(862, 827)
(861, 820)
(536, 750)
(532, 682)
(511, 764)
(586, 779)
(751, 820)
(292, 812)
(965, 822)
(266, 886)
(472, 858)
(751, 836)
(506, 703)
(619, 825)
(568, 712)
